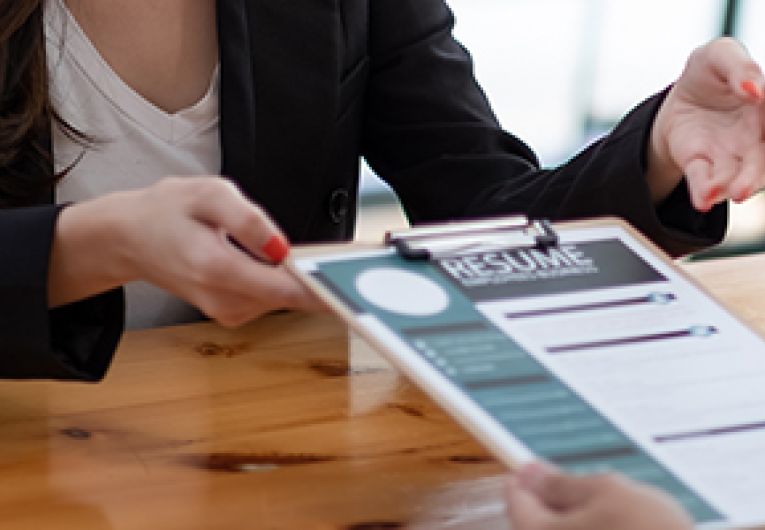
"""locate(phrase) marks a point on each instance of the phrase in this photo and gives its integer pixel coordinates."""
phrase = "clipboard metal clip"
(469, 237)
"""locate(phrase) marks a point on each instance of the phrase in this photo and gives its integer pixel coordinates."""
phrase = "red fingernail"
(276, 248)
(714, 194)
(751, 88)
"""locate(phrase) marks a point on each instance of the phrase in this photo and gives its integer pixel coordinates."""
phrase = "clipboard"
(580, 342)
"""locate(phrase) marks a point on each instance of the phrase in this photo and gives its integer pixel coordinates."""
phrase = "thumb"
(555, 489)
(524, 509)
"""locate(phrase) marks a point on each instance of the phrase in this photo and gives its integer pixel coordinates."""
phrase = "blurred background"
(585, 63)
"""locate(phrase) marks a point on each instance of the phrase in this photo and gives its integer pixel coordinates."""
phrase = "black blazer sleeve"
(72, 342)
(430, 133)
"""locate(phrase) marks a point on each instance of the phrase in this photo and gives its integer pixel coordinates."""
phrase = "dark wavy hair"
(26, 172)
(26, 166)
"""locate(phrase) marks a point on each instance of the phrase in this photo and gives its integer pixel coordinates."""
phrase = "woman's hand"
(541, 498)
(178, 235)
(710, 128)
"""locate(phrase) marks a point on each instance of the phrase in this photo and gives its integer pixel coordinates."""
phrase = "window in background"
(750, 27)
(558, 71)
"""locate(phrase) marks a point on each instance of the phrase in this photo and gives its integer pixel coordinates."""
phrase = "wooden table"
(277, 425)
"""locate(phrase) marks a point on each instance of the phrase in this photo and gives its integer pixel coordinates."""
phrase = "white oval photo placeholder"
(403, 292)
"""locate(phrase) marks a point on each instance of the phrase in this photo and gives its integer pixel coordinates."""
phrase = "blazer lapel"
(279, 82)
(237, 92)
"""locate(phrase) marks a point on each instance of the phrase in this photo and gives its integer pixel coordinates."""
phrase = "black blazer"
(309, 87)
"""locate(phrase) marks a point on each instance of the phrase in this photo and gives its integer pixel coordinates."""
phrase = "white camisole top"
(137, 143)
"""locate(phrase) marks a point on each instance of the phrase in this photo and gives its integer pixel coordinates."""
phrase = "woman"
(100, 101)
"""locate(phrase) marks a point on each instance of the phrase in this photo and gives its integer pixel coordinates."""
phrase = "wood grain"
(286, 423)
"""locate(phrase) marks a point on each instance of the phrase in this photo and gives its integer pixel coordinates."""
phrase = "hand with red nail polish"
(540, 497)
(710, 128)
(196, 237)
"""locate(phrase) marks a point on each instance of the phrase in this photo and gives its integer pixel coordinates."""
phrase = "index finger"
(225, 207)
